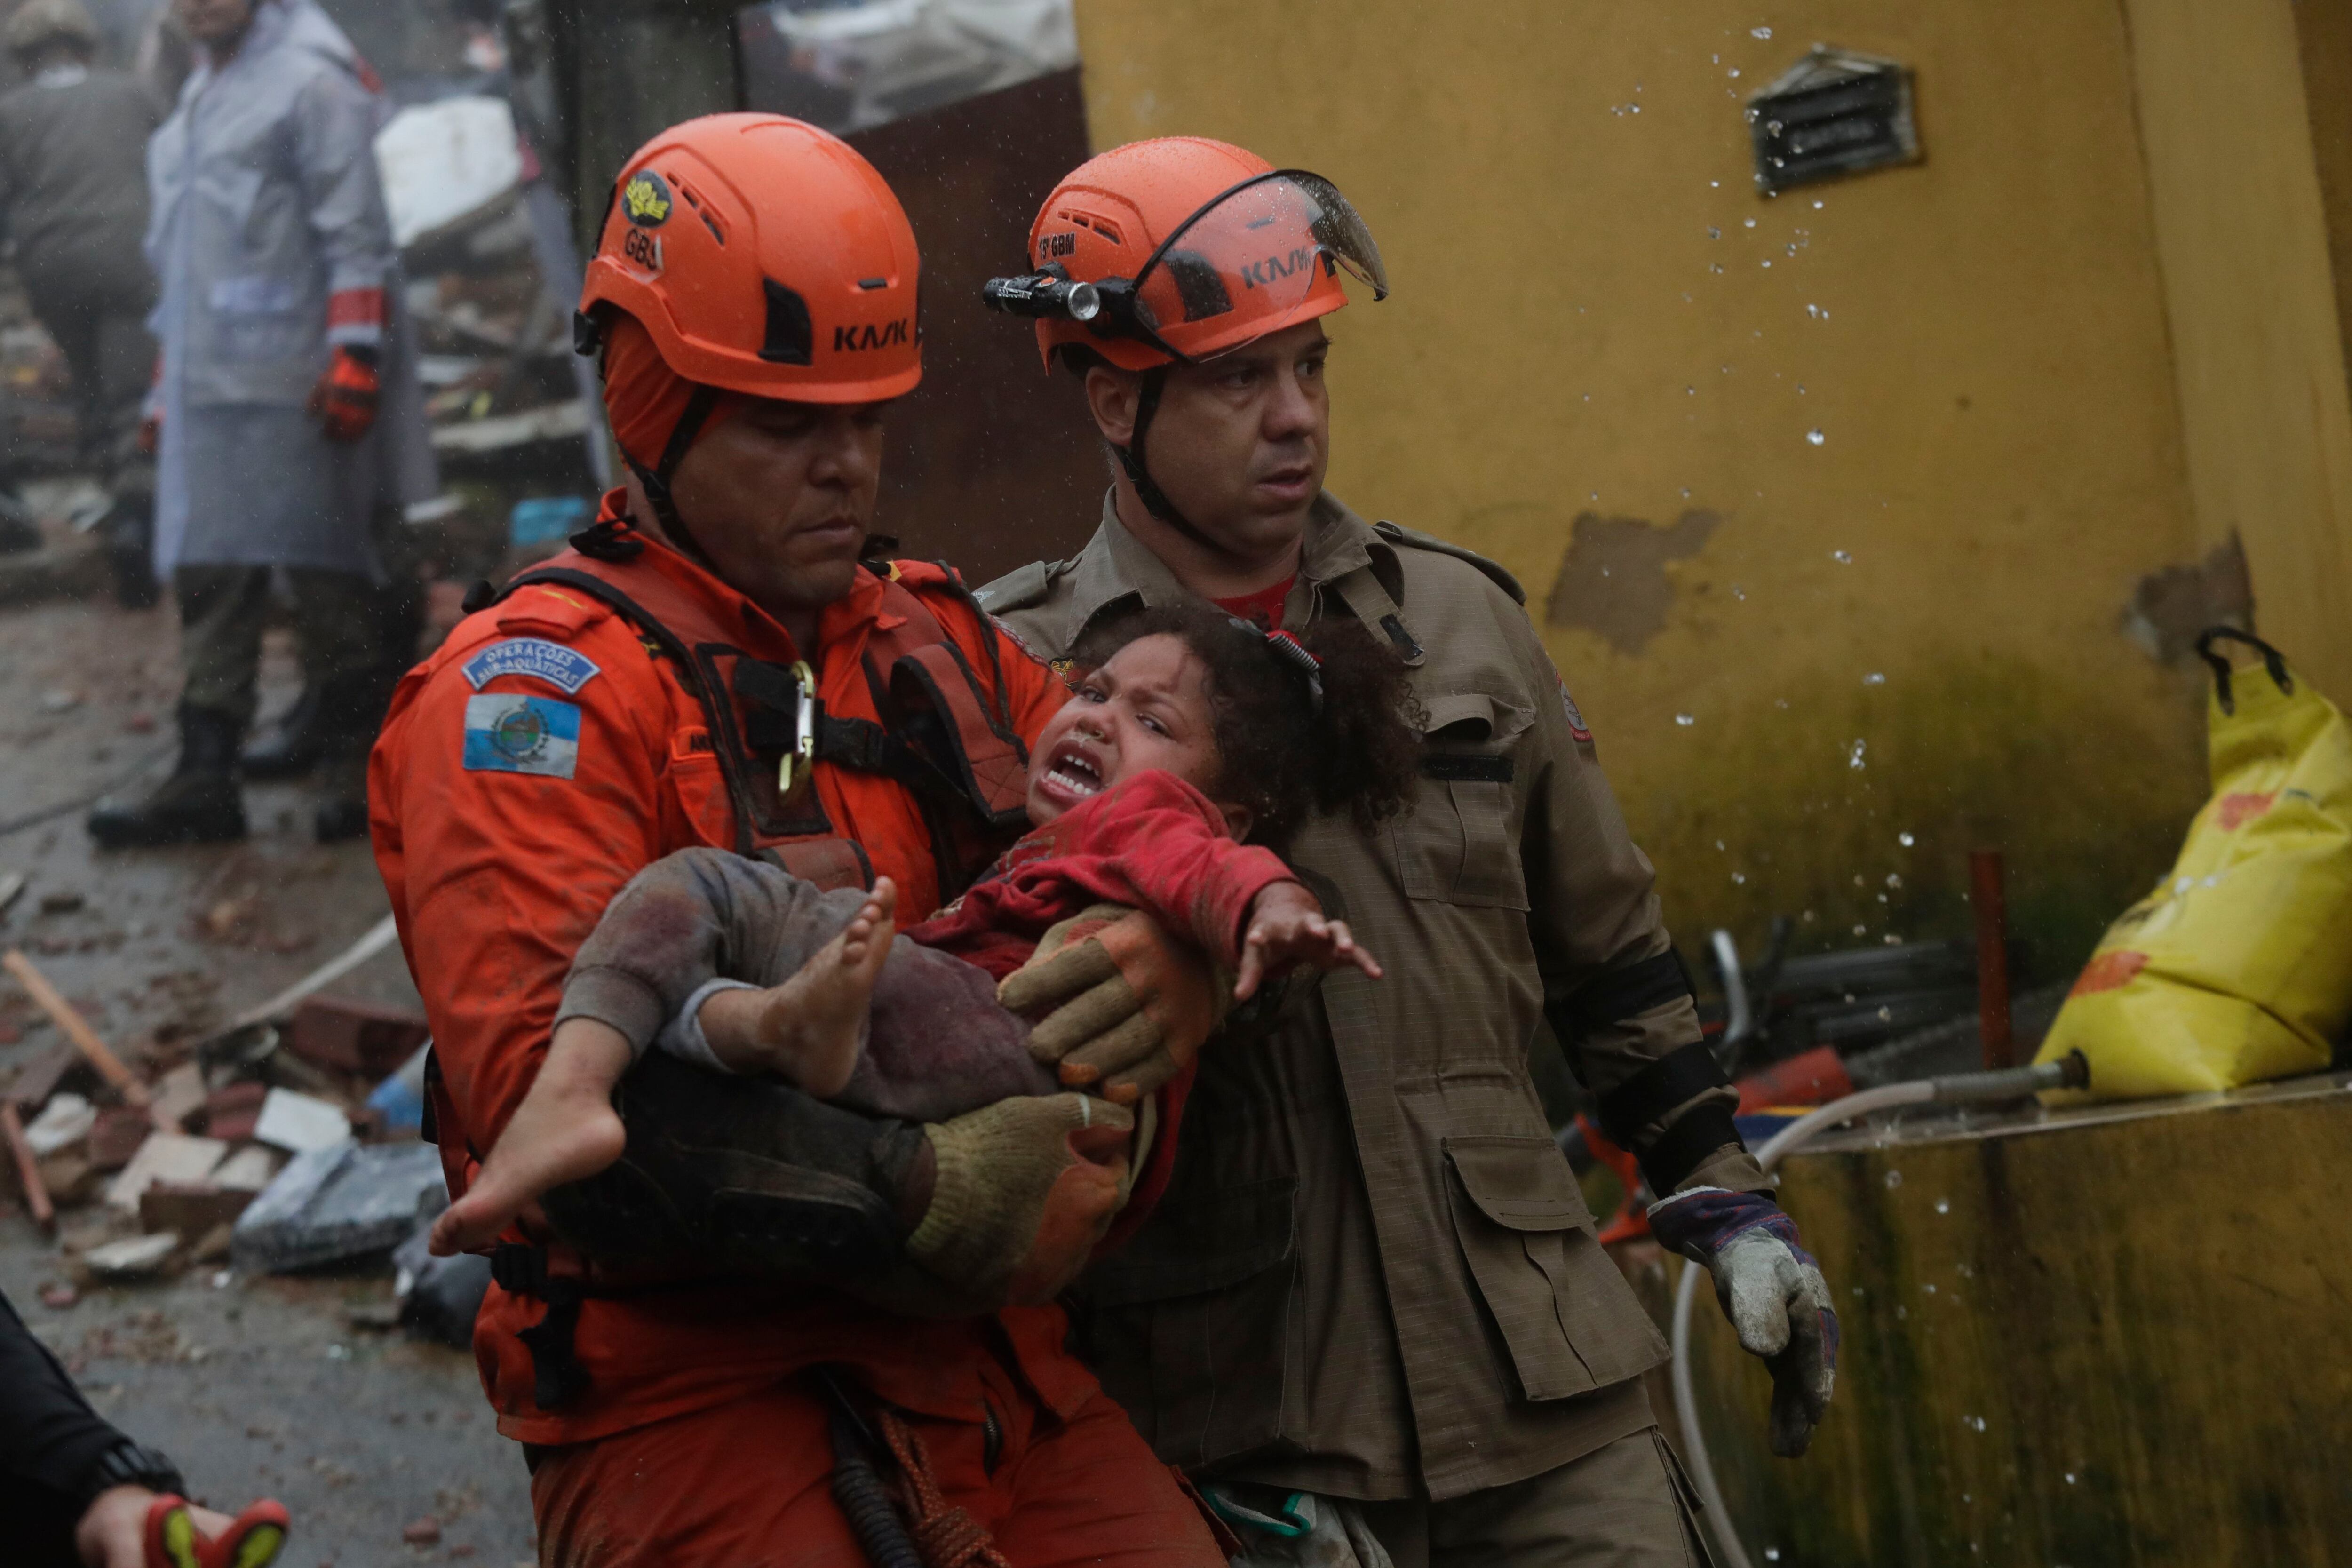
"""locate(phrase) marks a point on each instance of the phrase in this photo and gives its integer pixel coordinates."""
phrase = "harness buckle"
(803, 747)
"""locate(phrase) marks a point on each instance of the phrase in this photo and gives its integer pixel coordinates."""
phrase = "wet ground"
(255, 1386)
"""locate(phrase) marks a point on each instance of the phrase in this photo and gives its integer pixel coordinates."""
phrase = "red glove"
(1126, 1005)
(345, 398)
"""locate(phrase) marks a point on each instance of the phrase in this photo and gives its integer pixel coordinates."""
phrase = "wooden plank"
(76, 1028)
(29, 1171)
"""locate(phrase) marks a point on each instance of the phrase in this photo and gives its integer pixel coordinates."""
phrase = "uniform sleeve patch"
(565, 668)
(509, 733)
(1576, 726)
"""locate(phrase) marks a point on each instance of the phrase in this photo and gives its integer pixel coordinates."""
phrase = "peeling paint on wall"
(1613, 580)
(2172, 605)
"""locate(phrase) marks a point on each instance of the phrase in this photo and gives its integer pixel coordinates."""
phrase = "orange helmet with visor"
(1183, 248)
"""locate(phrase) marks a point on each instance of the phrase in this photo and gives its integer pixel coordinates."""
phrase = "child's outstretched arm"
(1287, 926)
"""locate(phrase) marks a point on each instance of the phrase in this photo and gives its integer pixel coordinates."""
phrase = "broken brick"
(57, 1296)
(425, 1532)
(44, 1075)
(230, 1114)
(354, 1036)
(116, 1137)
(191, 1208)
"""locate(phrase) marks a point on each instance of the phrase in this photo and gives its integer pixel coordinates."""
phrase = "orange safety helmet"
(764, 257)
(1183, 248)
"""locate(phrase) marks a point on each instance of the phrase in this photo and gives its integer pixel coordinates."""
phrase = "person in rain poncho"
(289, 416)
(74, 140)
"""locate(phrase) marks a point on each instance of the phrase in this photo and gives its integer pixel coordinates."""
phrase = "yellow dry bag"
(2238, 967)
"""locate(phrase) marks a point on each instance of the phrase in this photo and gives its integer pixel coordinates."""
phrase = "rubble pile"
(254, 1147)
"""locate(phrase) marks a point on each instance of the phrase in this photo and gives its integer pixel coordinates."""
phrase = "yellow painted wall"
(2243, 237)
(1595, 313)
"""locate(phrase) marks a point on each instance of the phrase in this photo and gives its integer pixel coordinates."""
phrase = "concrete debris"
(38, 1080)
(425, 1532)
(64, 1121)
(341, 1202)
(12, 888)
(179, 1093)
(249, 1170)
(57, 1296)
(299, 1123)
(444, 161)
(165, 1157)
(136, 1259)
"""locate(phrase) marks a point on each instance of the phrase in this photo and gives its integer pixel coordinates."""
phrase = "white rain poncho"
(267, 205)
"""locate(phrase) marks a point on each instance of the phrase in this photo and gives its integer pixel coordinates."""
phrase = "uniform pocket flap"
(1206, 1242)
(1473, 716)
(1519, 1182)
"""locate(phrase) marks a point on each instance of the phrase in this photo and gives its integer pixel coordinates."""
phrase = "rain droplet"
(1902, 1312)
(1929, 1288)
(1760, 32)
(1975, 1422)
(1905, 841)
(1861, 931)
(1943, 1205)
(1817, 207)
(1713, 232)
(1814, 437)
(1738, 593)
(1894, 1180)
(1874, 678)
(1854, 754)
(1735, 70)
(2070, 1478)
(1690, 392)
(1633, 109)
(1749, 222)
(1718, 843)
(1817, 313)
(1842, 557)
(1893, 879)
(1686, 719)
(1890, 939)
(1739, 878)
(1772, 1554)
(1718, 184)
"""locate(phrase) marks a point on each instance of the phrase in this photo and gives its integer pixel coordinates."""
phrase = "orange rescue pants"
(748, 1485)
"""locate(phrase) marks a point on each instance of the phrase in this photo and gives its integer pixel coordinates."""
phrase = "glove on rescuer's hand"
(1126, 1005)
(1023, 1190)
(346, 396)
(1771, 1291)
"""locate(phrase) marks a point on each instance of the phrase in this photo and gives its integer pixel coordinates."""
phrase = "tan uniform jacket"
(1373, 1274)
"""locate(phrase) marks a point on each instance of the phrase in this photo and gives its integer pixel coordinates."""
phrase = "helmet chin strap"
(654, 481)
(1131, 460)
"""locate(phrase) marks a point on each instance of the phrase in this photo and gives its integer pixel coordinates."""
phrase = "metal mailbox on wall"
(1833, 113)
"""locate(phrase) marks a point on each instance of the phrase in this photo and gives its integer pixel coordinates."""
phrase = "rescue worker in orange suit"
(716, 663)
(1372, 1278)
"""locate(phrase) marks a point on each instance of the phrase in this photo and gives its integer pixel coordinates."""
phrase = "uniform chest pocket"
(701, 788)
(1457, 844)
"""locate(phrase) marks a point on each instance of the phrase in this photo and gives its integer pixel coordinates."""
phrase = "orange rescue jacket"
(554, 746)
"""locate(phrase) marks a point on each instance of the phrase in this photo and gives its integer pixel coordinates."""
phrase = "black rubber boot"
(201, 803)
(349, 712)
(292, 746)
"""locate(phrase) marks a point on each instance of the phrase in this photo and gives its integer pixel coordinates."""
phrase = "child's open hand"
(1287, 927)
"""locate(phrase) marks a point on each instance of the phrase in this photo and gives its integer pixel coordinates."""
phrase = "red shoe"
(252, 1539)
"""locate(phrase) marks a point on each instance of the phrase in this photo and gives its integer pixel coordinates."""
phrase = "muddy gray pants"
(337, 622)
(1625, 1505)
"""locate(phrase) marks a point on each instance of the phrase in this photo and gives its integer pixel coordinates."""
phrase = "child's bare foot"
(564, 1129)
(812, 1024)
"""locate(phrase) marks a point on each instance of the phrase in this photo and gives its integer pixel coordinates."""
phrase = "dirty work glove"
(1024, 1188)
(345, 398)
(1122, 1006)
(1770, 1289)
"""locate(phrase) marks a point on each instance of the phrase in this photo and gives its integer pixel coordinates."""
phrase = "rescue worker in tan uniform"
(1373, 1276)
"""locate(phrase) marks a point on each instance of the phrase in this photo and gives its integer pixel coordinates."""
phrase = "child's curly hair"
(1277, 754)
